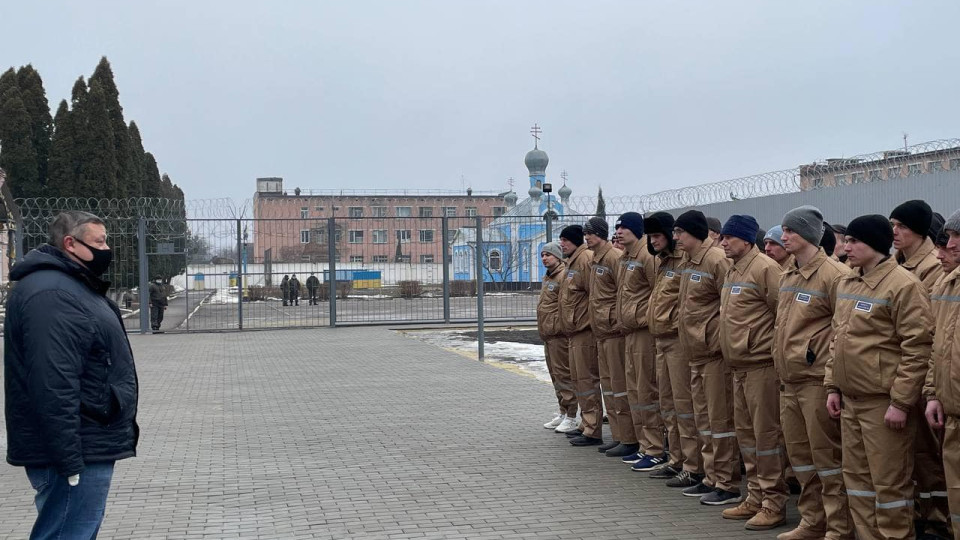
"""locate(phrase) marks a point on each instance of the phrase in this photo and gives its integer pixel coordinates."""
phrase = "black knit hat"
(941, 239)
(597, 226)
(659, 222)
(936, 224)
(873, 230)
(573, 233)
(829, 240)
(695, 223)
(631, 221)
(714, 225)
(916, 215)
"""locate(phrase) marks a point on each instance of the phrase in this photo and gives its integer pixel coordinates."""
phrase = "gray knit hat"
(953, 222)
(552, 248)
(807, 221)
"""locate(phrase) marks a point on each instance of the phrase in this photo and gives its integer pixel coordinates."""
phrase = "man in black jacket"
(158, 303)
(70, 382)
(313, 285)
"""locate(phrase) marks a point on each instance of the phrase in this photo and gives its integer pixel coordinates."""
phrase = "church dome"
(510, 198)
(536, 162)
(565, 192)
(534, 192)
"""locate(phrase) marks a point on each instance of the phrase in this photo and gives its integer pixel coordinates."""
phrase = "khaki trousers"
(712, 387)
(673, 380)
(813, 444)
(877, 469)
(586, 376)
(757, 418)
(931, 493)
(557, 352)
(951, 468)
(643, 396)
(614, 384)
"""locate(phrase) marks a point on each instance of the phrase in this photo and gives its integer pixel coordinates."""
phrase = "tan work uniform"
(931, 494)
(610, 345)
(943, 382)
(801, 346)
(673, 368)
(788, 263)
(555, 342)
(881, 350)
(575, 321)
(748, 310)
(711, 379)
(637, 275)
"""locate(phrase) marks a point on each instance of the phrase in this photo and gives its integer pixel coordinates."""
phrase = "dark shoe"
(622, 450)
(573, 434)
(685, 479)
(649, 463)
(720, 497)
(608, 446)
(664, 473)
(794, 485)
(585, 441)
(697, 490)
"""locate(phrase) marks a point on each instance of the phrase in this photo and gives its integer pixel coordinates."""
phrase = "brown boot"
(744, 510)
(801, 533)
(766, 519)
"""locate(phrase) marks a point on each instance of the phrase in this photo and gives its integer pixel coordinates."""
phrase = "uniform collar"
(601, 251)
(576, 253)
(812, 265)
(701, 252)
(880, 271)
(741, 266)
(559, 268)
(922, 253)
(634, 253)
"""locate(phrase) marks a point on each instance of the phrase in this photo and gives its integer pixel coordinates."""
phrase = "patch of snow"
(368, 296)
(223, 296)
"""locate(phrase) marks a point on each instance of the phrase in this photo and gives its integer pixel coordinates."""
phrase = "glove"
(74, 480)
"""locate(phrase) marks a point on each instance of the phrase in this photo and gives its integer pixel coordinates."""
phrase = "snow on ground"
(528, 357)
(368, 296)
(223, 296)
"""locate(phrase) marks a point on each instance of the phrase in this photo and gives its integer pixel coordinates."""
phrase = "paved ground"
(360, 433)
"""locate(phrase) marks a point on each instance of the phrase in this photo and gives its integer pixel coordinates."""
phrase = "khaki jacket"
(789, 263)
(923, 264)
(575, 292)
(603, 291)
(699, 318)
(663, 312)
(943, 378)
(637, 276)
(802, 335)
(548, 306)
(883, 343)
(748, 310)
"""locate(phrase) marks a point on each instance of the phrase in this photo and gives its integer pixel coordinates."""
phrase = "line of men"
(822, 356)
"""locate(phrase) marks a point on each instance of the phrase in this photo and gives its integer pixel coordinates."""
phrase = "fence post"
(549, 217)
(239, 275)
(479, 277)
(332, 268)
(143, 269)
(444, 227)
(18, 240)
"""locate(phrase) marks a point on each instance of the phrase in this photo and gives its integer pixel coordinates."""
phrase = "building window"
(425, 211)
(404, 211)
(934, 166)
(495, 260)
(857, 178)
(876, 175)
(356, 258)
(839, 179)
(426, 236)
(318, 208)
(355, 211)
(449, 211)
(378, 211)
(954, 164)
(499, 211)
(893, 172)
(336, 208)
(355, 237)
(304, 212)
(471, 211)
(304, 236)
(404, 259)
(914, 169)
(381, 259)
(818, 182)
(426, 259)
(380, 236)
(404, 235)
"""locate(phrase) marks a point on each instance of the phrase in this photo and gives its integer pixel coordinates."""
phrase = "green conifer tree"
(601, 205)
(126, 172)
(18, 157)
(98, 168)
(41, 124)
(63, 165)
(135, 186)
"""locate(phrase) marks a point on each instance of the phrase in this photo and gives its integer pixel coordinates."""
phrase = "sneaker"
(649, 463)
(685, 479)
(719, 497)
(633, 458)
(576, 433)
(557, 420)
(583, 440)
(566, 425)
(744, 510)
(608, 446)
(623, 450)
(666, 472)
(766, 519)
(698, 490)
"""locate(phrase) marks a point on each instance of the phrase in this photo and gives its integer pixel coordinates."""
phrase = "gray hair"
(70, 223)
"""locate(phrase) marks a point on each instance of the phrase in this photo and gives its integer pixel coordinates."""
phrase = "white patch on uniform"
(631, 267)
(551, 286)
(735, 290)
(803, 298)
(670, 274)
(570, 274)
(865, 307)
(696, 278)
(600, 270)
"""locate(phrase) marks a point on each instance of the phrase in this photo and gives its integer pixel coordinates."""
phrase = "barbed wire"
(45, 208)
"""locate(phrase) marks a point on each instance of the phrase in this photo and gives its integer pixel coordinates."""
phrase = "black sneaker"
(573, 434)
(585, 441)
(719, 497)
(608, 446)
(623, 450)
(664, 473)
(685, 479)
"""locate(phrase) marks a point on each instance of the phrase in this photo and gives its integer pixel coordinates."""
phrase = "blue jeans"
(65, 512)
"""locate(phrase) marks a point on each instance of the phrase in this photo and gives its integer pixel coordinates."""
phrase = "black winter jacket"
(69, 378)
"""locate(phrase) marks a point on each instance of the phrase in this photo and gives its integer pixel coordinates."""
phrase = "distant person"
(285, 288)
(313, 285)
(839, 234)
(158, 303)
(713, 232)
(294, 290)
(69, 378)
(773, 247)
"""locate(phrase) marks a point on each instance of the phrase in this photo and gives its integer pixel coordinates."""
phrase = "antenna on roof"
(510, 183)
(536, 131)
(905, 141)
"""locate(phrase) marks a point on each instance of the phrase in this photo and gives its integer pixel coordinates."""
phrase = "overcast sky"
(634, 96)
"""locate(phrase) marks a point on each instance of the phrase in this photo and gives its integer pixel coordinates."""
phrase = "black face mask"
(101, 259)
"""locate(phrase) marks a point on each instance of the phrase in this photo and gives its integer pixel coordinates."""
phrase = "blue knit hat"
(743, 227)
(631, 221)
